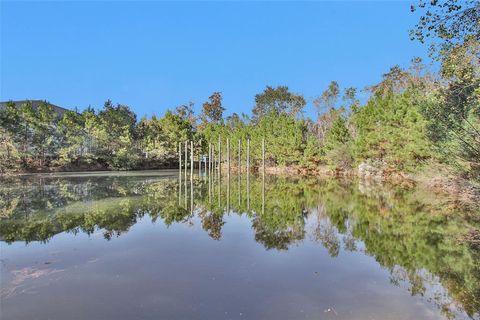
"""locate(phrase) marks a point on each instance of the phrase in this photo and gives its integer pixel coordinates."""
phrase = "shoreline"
(445, 183)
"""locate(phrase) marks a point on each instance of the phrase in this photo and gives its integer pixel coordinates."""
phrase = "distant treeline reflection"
(406, 231)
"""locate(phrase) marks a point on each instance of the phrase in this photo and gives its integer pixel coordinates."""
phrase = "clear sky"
(153, 55)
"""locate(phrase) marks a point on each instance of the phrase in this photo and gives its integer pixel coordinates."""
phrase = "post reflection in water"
(191, 194)
(239, 189)
(186, 190)
(248, 190)
(228, 192)
(179, 186)
(209, 187)
(263, 192)
(423, 245)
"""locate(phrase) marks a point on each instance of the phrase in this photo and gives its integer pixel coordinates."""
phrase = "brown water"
(139, 246)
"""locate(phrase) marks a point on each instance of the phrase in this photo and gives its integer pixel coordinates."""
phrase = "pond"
(159, 245)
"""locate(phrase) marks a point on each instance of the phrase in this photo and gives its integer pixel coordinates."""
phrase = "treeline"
(412, 117)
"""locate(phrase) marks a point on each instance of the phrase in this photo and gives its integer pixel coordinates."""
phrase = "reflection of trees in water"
(212, 223)
(27, 195)
(421, 282)
(276, 238)
(325, 232)
(416, 240)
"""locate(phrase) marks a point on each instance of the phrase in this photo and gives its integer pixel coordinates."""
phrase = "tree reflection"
(212, 223)
(420, 240)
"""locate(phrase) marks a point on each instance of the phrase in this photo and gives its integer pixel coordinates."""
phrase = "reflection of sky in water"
(179, 271)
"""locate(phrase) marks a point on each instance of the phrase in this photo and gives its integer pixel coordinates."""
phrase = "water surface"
(154, 245)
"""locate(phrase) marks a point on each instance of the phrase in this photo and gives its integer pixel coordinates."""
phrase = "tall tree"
(71, 129)
(455, 118)
(212, 110)
(279, 100)
(44, 126)
(9, 136)
(26, 121)
(326, 112)
(185, 111)
(115, 135)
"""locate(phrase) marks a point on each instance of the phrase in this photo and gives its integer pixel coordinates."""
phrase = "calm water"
(144, 246)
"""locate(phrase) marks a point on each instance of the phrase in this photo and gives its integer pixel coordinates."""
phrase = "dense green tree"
(71, 130)
(176, 130)
(455, 115)
(115, 136)
(284, 136)
(9, 154)
(338, 147)
(279, 100)
(9, 137)
(26, 121)
(392, 128)
(44, 135)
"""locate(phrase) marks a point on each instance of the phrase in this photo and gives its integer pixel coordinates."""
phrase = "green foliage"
(9, 155)
(114, 136)
(312, 154)
(415, 236)
(410, 118)
(44, 139)
(73, 137)
(455, 116)
(31, 131)
(338, 146)
(392, 128)
(278, 100)
(284, 136)
(446, 23)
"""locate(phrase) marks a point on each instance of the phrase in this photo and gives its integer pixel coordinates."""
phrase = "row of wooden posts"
(212, 163)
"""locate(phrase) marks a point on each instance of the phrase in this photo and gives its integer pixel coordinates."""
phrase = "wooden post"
(248, 155)
(263, 194)
(209, 159)
(239, 162)
(228, 193)
(180, 157)
(263, 176)
(199, 164)
(191, 188)
(213, 162)
(179, 188)
(228, 157)
(186, 159)
(219, 160)
(209, 176)
(248, 190)
(239, 177)
(191, 159)
(228, 175)
(263, 155)
(179, 173)
(205, 164)
(185, 180)
(200, 158)
(248, 174)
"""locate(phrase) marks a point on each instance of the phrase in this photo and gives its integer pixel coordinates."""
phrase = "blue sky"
(153, 56)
